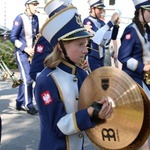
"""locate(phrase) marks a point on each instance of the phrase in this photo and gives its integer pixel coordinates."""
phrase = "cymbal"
(125, 123)
(145, 130)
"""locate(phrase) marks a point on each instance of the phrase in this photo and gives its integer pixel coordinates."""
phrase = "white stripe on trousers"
(24, 79)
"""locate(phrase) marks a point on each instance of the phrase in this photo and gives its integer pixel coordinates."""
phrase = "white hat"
(31, 2)
(96, 3)
(54, 6)
(142, 4)
(64, 25)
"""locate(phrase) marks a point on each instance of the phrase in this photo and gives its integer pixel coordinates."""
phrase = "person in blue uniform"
(42, 47)
(108, 53)
(57, 87)
(23, 34)
(114, 53)
(101, 32)
(134, 52)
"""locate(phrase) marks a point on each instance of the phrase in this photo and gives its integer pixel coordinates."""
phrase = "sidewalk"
(20, 131)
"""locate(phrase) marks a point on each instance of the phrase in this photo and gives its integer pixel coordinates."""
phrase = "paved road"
(20, 130)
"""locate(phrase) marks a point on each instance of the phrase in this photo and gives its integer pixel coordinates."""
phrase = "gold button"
(80, 135)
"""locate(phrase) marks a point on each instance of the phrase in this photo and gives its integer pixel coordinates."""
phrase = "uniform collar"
(29, 16)
(93, 17)
(67, 67)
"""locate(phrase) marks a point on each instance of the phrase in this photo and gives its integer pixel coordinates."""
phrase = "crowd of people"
(61, 55)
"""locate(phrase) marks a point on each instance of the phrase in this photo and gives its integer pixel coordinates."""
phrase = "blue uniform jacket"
(96, 24)
(24, 31)
(42, 49)
(57, 105)
(95, 60)
(132, 55)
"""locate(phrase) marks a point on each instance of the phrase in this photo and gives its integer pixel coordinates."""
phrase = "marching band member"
(101, 32)
(42, 47)
(23, 34)
(134, 52)
(57, 87)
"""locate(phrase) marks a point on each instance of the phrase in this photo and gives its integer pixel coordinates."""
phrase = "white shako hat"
(53, 6)
(64, 25)
(96, 3)
(31, 2)
(145, 4)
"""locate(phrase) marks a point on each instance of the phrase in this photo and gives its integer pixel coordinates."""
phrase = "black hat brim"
(78, 35)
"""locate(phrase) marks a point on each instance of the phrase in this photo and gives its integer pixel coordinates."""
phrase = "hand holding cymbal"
(123, 98)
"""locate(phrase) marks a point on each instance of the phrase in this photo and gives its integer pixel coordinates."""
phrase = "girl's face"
(32, 7)
(147, 15)
(76, 50)
(98, 12)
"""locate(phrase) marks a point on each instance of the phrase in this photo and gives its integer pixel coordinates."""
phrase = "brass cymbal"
(145, 130)
(125, 123)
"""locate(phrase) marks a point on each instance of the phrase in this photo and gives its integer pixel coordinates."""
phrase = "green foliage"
(7, 53)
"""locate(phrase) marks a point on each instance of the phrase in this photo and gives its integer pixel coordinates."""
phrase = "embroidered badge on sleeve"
(16, 23)
(128, 37)
(46, 96)
(39, 48)
(88, 23)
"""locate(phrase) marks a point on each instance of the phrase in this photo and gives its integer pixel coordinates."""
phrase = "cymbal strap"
(97, 108)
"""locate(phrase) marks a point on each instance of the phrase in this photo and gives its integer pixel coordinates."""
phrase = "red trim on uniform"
(46, 96)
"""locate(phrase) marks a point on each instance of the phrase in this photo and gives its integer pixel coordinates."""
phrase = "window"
(111, 2)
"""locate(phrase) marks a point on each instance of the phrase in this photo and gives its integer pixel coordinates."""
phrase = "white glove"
(29, 51)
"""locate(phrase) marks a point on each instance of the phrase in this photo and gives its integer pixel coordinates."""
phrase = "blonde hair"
(53, 59)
